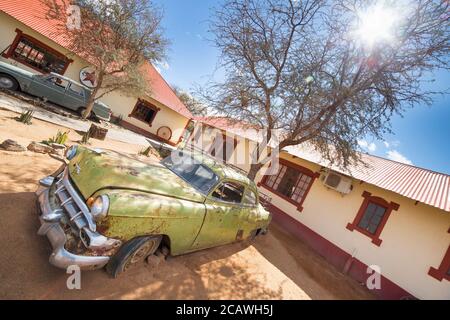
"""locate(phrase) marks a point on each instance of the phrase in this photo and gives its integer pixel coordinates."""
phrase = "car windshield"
(194, 172)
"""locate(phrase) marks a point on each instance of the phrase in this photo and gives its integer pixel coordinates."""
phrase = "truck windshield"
(194, 172)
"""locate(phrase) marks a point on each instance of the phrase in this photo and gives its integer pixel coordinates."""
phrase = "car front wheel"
(7, 82)
(132, 253)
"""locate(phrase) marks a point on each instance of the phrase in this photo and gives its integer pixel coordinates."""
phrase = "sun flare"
(376, 25)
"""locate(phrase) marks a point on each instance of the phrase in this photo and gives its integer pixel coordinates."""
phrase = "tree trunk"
(89, 107)
(254, 169)
(91, 100)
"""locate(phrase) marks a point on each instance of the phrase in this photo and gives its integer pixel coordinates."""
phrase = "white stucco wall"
(414, 238)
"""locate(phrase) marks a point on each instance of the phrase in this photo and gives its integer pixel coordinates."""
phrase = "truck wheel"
(8, 82)
(132, 253)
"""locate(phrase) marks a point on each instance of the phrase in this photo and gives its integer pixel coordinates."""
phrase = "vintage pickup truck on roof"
(52, 87)
(105, 208)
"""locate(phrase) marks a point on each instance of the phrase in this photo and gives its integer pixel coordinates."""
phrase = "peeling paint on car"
(151, 200)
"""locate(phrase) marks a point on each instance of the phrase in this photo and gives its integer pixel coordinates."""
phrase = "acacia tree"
(319, 73)
(116, 37)
(191, 102)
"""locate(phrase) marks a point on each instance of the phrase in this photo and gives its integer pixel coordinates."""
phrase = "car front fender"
(133, 213)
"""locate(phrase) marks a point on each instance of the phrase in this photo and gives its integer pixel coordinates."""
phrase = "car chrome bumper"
(108, 119)
(50, 226)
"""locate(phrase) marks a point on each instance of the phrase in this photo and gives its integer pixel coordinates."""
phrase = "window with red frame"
(144, 111)
(290, 182)
(372, 217)
(33, 53)
(443, 271)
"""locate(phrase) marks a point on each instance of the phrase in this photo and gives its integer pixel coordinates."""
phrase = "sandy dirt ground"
(275, 266)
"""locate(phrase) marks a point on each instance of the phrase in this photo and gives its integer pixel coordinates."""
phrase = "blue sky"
(422, 135)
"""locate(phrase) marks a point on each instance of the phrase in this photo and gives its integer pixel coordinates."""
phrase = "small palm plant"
(60, 138)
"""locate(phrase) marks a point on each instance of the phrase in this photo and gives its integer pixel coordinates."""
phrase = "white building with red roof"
(392, 216)
(28, 35)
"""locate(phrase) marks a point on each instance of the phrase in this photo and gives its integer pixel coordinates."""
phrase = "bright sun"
(376, 25)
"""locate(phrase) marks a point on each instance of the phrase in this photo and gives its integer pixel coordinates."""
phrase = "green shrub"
(60, 138)
(26, 117)
(146, 151)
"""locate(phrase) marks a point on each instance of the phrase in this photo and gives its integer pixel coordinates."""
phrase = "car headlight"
(99, 207)
(71, 152)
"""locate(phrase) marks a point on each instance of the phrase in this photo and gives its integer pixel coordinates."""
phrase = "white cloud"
(397, 156)
(159, 66)
(395, 143)
(163, 65)
(391, 144)
(371, 147)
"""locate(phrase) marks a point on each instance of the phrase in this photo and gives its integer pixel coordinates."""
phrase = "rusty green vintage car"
(103, 208)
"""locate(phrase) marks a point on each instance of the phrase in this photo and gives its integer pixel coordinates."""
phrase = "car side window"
(229, 192)
(76, 89)
(249, 197)
(62, 83)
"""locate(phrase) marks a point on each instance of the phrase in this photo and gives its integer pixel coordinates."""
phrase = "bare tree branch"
(300, 67)
(117, 37)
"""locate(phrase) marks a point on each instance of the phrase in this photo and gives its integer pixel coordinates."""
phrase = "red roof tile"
(32, 13)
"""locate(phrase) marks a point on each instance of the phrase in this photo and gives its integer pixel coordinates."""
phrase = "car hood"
(17, 69)
(92, 171)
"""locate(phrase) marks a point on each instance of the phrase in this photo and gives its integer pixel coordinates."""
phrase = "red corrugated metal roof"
(423, 185)
(32, 13)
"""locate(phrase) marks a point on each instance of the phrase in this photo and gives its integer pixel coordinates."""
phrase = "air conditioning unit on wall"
(338, 182)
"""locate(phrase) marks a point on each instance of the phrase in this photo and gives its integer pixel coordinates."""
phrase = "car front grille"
(73, 204)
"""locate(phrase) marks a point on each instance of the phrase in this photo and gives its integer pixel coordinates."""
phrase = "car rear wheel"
(256, 233)
(132, 253)
(8, 82)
